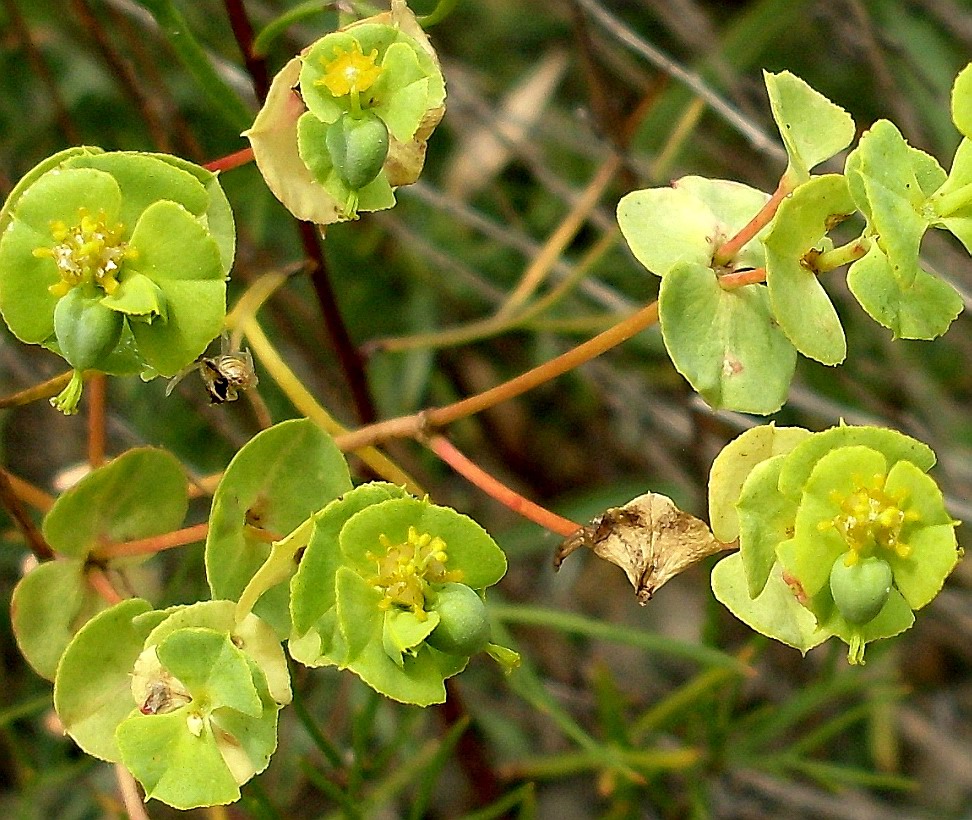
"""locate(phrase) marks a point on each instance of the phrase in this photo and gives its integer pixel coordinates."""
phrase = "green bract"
(369, 97)
(186, 698)
(840, 533)
(381, 573)
(725, 342)
(140, 494)
(117, 261)
(902, 191)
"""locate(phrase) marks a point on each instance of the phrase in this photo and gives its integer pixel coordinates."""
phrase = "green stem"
(194, 57)
(948, 204)
(844, 255)
(438, 14)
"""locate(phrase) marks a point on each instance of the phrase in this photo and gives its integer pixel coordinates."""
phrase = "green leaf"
(688, 222)
(766, 519)
(933, 553)
(962, 101)
(145, 179)
(312, 147)
(726, 343)
(403, 631)
(312, 586)
(401, 93)
(734, 463)
(92, 690)
(35, 173)
(49, 604)
(800, 303)
(251, 635)
(812, 127)
(274, 140)
(893, 619)
(57, 196)
(469, 548)
(173, 764)
(141, 493)
(834, 478)
(178, 255)
(952, 201)
(218, 217)
(733, 205)
(894, 446)
(271, 486)
(925, 309)
(212, 669)
(775, 613)
(885, 170)
(419, 680)
(137, 295)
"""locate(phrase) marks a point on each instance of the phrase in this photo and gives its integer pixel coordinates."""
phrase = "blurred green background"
(619, 711)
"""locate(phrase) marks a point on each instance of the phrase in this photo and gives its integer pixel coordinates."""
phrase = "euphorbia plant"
(118, 262)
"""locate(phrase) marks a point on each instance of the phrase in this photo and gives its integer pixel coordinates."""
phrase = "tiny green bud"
(463, 626)
(358, 147)
(85, 329)
(860, 589)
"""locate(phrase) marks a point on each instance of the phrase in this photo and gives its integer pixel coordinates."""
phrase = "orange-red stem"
(494, 488)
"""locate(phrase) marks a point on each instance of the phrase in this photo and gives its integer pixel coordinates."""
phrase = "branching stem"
(728, 251)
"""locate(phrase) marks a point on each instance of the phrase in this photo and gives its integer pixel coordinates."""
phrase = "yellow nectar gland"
(406, 571)
(350, 73)
(870, 519)
(90, 251)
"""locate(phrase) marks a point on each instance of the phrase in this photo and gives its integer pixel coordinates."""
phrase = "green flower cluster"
(391, 587)
(840, 533)
(369, 96)
(186, 698)
(116, 261)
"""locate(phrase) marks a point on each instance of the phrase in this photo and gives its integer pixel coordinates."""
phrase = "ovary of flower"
(89, 251)
(406, 570)
(870, 519)
(350, 73)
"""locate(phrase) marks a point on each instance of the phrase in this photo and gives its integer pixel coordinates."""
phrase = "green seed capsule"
(86, 330)
(463, 626)
(358, 147)
(860, 590)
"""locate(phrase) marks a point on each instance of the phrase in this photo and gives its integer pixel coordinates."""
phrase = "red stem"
(98, 581)
(150, 546)
(728, 251)
(96, 389)
(230, 161)
(494, 488)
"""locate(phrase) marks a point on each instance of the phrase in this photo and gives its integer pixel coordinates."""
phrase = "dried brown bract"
(650, 538)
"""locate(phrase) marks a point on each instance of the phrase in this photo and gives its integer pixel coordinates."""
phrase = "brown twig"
(256, 66)
(11, 502)
(426, 421)
(349, 357)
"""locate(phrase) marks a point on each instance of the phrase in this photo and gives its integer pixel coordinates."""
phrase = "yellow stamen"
(89, 251)
(350, 73)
